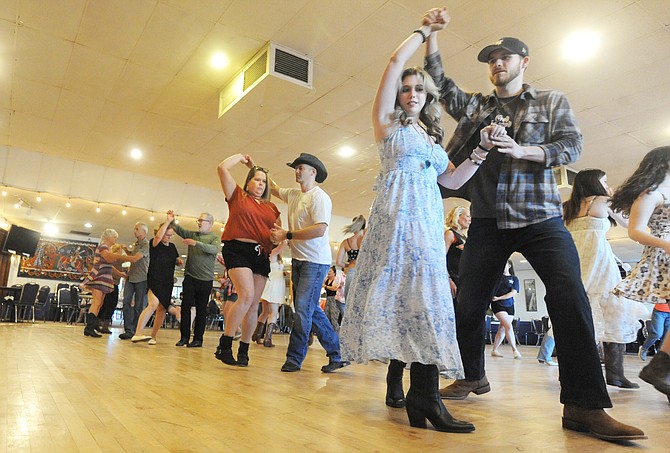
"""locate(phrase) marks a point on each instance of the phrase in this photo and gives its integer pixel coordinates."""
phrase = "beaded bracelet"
(474, 161)
(423, 35)
(474, 151)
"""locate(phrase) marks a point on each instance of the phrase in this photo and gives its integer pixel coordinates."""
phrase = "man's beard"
(506, 77)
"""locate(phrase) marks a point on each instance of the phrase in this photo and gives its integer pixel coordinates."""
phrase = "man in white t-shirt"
(309, 210)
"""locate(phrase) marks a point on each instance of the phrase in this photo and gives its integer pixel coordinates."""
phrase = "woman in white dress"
(399, 307)
(272, 297)
(587, 217)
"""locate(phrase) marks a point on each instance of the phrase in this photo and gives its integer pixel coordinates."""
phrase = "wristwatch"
(289, 235)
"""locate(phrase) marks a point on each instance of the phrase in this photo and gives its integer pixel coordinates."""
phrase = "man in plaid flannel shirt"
(516, 207)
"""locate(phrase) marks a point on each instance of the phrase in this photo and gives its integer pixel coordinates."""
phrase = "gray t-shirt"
(138, 270)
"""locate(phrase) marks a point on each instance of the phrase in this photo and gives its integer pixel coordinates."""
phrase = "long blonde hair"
(431, 112)
(357, 224)
(452, 218)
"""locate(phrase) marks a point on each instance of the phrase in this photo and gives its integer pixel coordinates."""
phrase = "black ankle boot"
(91, 322)
(224, 352)
(243, 354)
(423, 402)
(104, 327)
(395, 396)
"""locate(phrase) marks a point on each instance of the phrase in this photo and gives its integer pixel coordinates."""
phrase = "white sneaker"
(549, 362)
(152, 341)
(138, 338)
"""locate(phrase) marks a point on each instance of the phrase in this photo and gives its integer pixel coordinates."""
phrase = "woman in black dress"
(163, 257)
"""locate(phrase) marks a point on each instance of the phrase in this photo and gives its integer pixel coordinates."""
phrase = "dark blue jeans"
(549, 248)
(307, 283)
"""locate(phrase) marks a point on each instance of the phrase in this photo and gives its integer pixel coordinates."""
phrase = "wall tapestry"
(59, 259)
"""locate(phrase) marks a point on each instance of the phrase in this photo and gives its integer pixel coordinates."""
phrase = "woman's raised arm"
(227, 181)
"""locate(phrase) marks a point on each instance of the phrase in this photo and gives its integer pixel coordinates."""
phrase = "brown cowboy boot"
(268, 336)
(461, 388)
(597, 423)
(657, 373)
(258, 333)
(614, 366)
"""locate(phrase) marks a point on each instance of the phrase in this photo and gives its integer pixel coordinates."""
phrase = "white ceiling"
(82, 82)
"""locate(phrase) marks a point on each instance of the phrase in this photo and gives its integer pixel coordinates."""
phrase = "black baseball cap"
(509, 44)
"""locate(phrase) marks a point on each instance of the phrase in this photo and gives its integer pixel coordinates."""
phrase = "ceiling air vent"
(292, 66)
(81, 233)
(274, 63)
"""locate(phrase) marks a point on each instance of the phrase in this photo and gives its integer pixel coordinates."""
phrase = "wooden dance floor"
(63, 392)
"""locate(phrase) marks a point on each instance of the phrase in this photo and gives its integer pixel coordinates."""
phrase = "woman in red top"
(246, 247)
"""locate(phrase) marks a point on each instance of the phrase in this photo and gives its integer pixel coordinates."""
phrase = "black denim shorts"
(246, 254)
(497, 306)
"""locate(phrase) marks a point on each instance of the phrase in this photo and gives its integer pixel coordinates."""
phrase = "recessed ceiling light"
(581, 45)
(50, 228)
(67, 203)
(88, 225)
(346, 151)
(219, 60)
(124, 212)
(136, 153)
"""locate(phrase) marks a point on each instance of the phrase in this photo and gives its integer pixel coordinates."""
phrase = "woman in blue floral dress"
(399, 307)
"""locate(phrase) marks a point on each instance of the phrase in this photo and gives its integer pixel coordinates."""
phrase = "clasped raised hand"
(436, 18)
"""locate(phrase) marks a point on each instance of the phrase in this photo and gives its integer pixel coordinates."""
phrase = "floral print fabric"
(399, 305)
